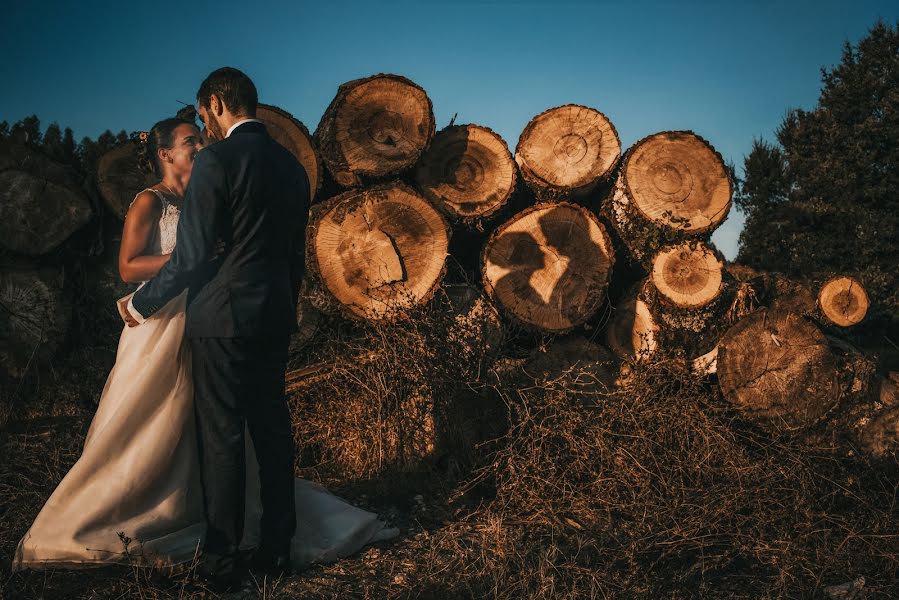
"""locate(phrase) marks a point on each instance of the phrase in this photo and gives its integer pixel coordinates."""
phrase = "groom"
(253, 195)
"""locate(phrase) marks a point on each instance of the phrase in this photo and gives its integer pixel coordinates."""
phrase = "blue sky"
(728, 70)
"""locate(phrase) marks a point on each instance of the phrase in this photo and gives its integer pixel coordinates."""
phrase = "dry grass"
(652, 490)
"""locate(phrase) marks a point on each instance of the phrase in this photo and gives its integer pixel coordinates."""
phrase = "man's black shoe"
(273, 565)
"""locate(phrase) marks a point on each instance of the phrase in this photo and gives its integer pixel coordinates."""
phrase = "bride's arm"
(140, 222)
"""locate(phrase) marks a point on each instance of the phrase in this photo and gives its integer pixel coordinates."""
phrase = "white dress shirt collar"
(239, 123)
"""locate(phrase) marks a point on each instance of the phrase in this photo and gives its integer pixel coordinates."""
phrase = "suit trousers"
(238, 384)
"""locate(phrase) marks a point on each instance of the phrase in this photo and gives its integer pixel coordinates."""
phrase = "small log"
(688, 275)
(41, 203)
(565, 152)
(778, 367)
(375, 127)
(34, 318)
(672, 186)
(468, 173)
(686, 332)
(293, 135)
(379, 251)
(631, 332)
(548, 266)
(843, 301)
(119, 179)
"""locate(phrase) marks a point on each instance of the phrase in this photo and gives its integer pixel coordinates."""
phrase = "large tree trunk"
(548, 267)
(672, 186)
(778, 367)
(293, 135)
(379, 251)
(566, 151)
(34, 318)
(41, 204)
(468, 173)
(375, 127)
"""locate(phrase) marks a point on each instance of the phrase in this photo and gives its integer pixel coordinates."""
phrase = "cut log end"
(548, 266)
(375, 127)
(379, 251)
(778, 367)
(566, 150)
(688, 275)
(294, 136)
(843, 301)
(632, 332)
(676, 179)
(468, 172)
(34, 317)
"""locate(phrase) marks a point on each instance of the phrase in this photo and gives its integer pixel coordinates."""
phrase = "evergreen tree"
(27, 131)
(825, 198)
(4, 130)
(52, 142)
(69, 148)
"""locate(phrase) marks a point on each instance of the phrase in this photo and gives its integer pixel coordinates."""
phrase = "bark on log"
(34, 318)
(567, 151)
(375, 127)
(467, 172)
(41, 203)
(672, 186)
(119, 178)
(293, 135)
(778, 367)
(548, 267)
(379, 251)
(843, 301)
(687, 333)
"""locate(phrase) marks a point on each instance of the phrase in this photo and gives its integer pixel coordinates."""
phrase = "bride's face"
(187, 143)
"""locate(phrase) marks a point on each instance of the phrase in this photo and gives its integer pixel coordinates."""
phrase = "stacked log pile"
(568, 235)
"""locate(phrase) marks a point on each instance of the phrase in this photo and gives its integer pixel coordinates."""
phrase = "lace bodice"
(163, 240)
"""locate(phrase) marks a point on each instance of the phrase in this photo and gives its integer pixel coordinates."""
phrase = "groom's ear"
(216, 106)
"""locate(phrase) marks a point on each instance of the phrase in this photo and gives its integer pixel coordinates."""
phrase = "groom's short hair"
(234, 88)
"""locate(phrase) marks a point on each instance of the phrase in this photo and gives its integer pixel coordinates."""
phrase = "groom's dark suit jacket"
(251, 193)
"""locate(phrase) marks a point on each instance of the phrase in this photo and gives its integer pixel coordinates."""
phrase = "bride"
(134, 496)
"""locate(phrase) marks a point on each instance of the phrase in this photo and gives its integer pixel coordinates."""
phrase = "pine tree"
(27, 131)
(52, 142)
(824, 198)
(4, 130)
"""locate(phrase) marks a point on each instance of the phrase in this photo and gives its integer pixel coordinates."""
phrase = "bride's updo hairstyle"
(161, 135)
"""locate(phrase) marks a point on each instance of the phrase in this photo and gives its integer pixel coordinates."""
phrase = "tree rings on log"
(676, 179)
(468, 172)
(379, 251)
(631, 333)
(375, 127)
(119, 179)
(778, 367)
(293, 135)
(37, 215)
(548, 266)
(565, 151)
(843, 301)
(671, 186)
(34, 317)
(688, 275)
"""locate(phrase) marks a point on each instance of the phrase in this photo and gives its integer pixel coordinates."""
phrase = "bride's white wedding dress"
(139, 471)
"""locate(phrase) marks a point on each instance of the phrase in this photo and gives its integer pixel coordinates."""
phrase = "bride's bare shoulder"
(145, 204)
